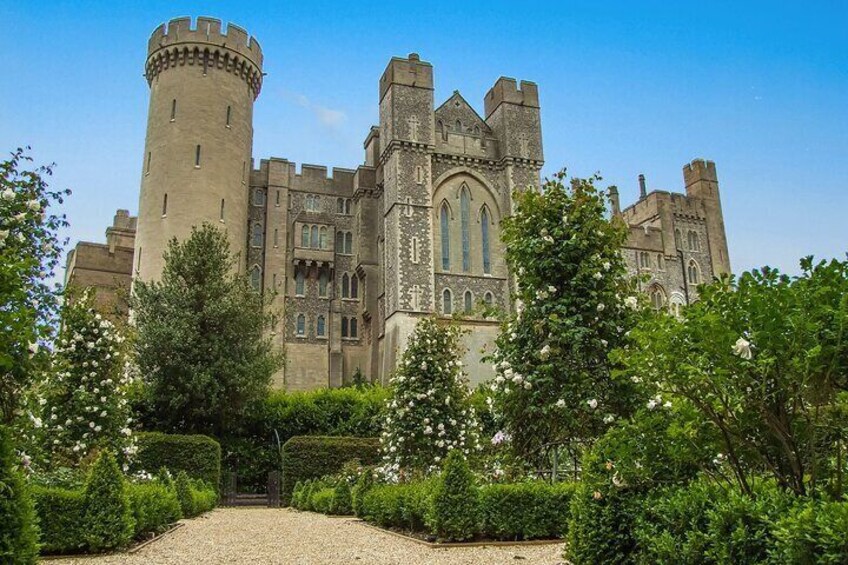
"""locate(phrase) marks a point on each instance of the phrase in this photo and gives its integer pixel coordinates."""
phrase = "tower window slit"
(229, 114)
(222, 210)
(165, 205)
(197, 156)
(173, 109)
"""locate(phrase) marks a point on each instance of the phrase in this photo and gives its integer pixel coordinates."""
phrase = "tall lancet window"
(484, 229)
(445, 228)
(465, 218)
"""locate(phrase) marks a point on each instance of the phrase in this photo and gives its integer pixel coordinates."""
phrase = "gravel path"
(272, 536)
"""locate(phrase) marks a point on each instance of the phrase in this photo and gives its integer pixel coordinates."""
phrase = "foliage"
(182, 486)
(203, 345)
(403, 506)
(198, 455)
(533, 510)
(108, 516)
(363, 484)
(312, 457)
(813, 532)
(29, 253)
(772, 387)
(155, 506)
(85, 406)
(600, 527)
(19, 532)
(341, 502)
(454, 512)
(429, 414)
(554, 385)
(283, 415)
(61, 519)
(321, 500)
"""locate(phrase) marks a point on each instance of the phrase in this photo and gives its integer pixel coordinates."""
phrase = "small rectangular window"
(243, 171)
(173, 109)
(165, 205)
(197, 156)
(229, 113)
(278, 198)
(276, 238)
(147, 170)
(222, 210)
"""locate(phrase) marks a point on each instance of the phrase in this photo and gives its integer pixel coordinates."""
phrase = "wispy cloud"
(333, 119)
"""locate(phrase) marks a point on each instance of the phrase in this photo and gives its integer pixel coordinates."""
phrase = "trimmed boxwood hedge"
(523, 511)
(312, 457)
(60, 519)
(198, 455)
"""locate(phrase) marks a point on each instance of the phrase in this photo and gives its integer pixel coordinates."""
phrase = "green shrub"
(198, 455)
(600, 528)
(322, 500)
(815, 532)
(61, 519)
(297, 495)
(184, 494)
(403, 506)
(525, 510)
(204, 497)
(19, 533)
(362, 486)
(455, 507)
(311, 457)
(341, 505)
(154, 507)
(108, 517)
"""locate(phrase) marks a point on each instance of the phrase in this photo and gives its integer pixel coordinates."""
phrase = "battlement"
(698, 170)
(508, 91)
(411, 71)
(207, 31)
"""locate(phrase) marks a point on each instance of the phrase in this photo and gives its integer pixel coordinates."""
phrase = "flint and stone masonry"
(355, 257)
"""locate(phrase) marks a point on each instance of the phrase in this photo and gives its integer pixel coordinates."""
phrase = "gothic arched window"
(489, 298)
(484, 230)
(345, 286)
(349, 243)
(340, 206)
(322, 237)
(465, 218)
(678, 241)
(353, 328)
(299, 283)
(301, 325)
(657, 296)
(468, 300)
(320, 329)
(257, 235)
(323, 279)
(259, 197)
(354, 286)
(447, 302)
(256, 277)
(344, 327)
(313, 242)
(693, 272)
(444, 222)
(304, 236)
(339, 242)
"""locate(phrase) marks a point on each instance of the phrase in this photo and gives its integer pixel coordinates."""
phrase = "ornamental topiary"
(154, 505)
(455, 504)
(108, 516)
(18, 532)
(184, 494)
(362, 486)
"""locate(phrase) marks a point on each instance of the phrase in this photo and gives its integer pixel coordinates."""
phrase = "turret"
(203, 82)
(702, 182)
(512, 111)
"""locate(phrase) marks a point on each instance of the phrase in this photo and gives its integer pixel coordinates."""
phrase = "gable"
(455, 110)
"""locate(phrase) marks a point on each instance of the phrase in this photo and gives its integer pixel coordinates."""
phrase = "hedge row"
(312, 457)
(324, 412)
(705, 523)
(198, 455)
(109, 512)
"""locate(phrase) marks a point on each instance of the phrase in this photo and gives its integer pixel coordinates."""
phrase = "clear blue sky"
(761, 88)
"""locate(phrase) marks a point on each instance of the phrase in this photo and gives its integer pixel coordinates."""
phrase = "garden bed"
(429, 540)
(133, 549)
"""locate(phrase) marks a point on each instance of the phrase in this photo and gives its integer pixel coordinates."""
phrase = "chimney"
(642, 190)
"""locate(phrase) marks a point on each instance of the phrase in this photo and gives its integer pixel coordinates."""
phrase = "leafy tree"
(85, 403)
(554, 385)
(203, 344)
(29, 253)
(764, 362)
(428, 414)
(19, 534)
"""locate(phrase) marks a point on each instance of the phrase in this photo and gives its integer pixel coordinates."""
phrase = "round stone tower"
(199, 136)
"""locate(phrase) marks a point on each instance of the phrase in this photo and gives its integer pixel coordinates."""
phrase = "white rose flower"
(597, 276)
(8, 195)
(545, 351)
(608, 419)
(560, 403)
(593, 403)
(601, 307)
(742, 348)
(34, 205)
(631, 302)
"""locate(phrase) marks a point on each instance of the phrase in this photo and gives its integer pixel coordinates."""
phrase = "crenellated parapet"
(205, 45)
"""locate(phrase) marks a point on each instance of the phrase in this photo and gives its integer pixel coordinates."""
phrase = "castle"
(359, 255)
